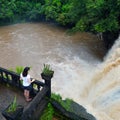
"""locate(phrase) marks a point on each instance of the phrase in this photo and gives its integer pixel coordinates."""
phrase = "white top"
(26, 80)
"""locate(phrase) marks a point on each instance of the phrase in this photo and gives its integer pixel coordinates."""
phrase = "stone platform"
(7, 95)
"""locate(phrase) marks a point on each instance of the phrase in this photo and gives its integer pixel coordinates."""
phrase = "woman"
(26, 83)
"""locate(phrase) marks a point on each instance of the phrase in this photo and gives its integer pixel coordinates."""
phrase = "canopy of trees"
(80, 15)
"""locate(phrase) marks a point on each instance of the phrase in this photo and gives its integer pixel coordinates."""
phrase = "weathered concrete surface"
(7, 95)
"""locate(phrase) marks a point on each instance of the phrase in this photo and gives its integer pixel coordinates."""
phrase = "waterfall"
(103, 91)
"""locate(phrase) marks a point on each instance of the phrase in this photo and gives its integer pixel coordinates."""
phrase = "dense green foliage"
(50, 112)
(65, 103)
(20, 10)
(81, 15)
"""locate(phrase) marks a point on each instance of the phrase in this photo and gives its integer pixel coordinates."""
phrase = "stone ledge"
(76, 112)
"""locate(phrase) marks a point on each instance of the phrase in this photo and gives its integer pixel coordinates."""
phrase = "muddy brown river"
(76, 59)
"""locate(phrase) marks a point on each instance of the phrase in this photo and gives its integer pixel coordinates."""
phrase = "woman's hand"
(33, 80)
(20, 78)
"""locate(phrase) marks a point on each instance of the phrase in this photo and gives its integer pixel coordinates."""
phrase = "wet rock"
(109, 38)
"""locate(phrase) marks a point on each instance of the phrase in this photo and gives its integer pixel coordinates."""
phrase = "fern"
(13, 106)
(47, 70)
(19, 69)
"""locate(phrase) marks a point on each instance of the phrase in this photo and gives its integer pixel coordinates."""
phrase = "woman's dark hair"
(25, 71)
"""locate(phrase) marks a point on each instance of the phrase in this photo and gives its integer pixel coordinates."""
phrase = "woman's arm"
(32, 80)
(20, 77)
(29, 79)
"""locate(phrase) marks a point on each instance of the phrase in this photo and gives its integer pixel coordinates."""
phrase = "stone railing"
(41, 92)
